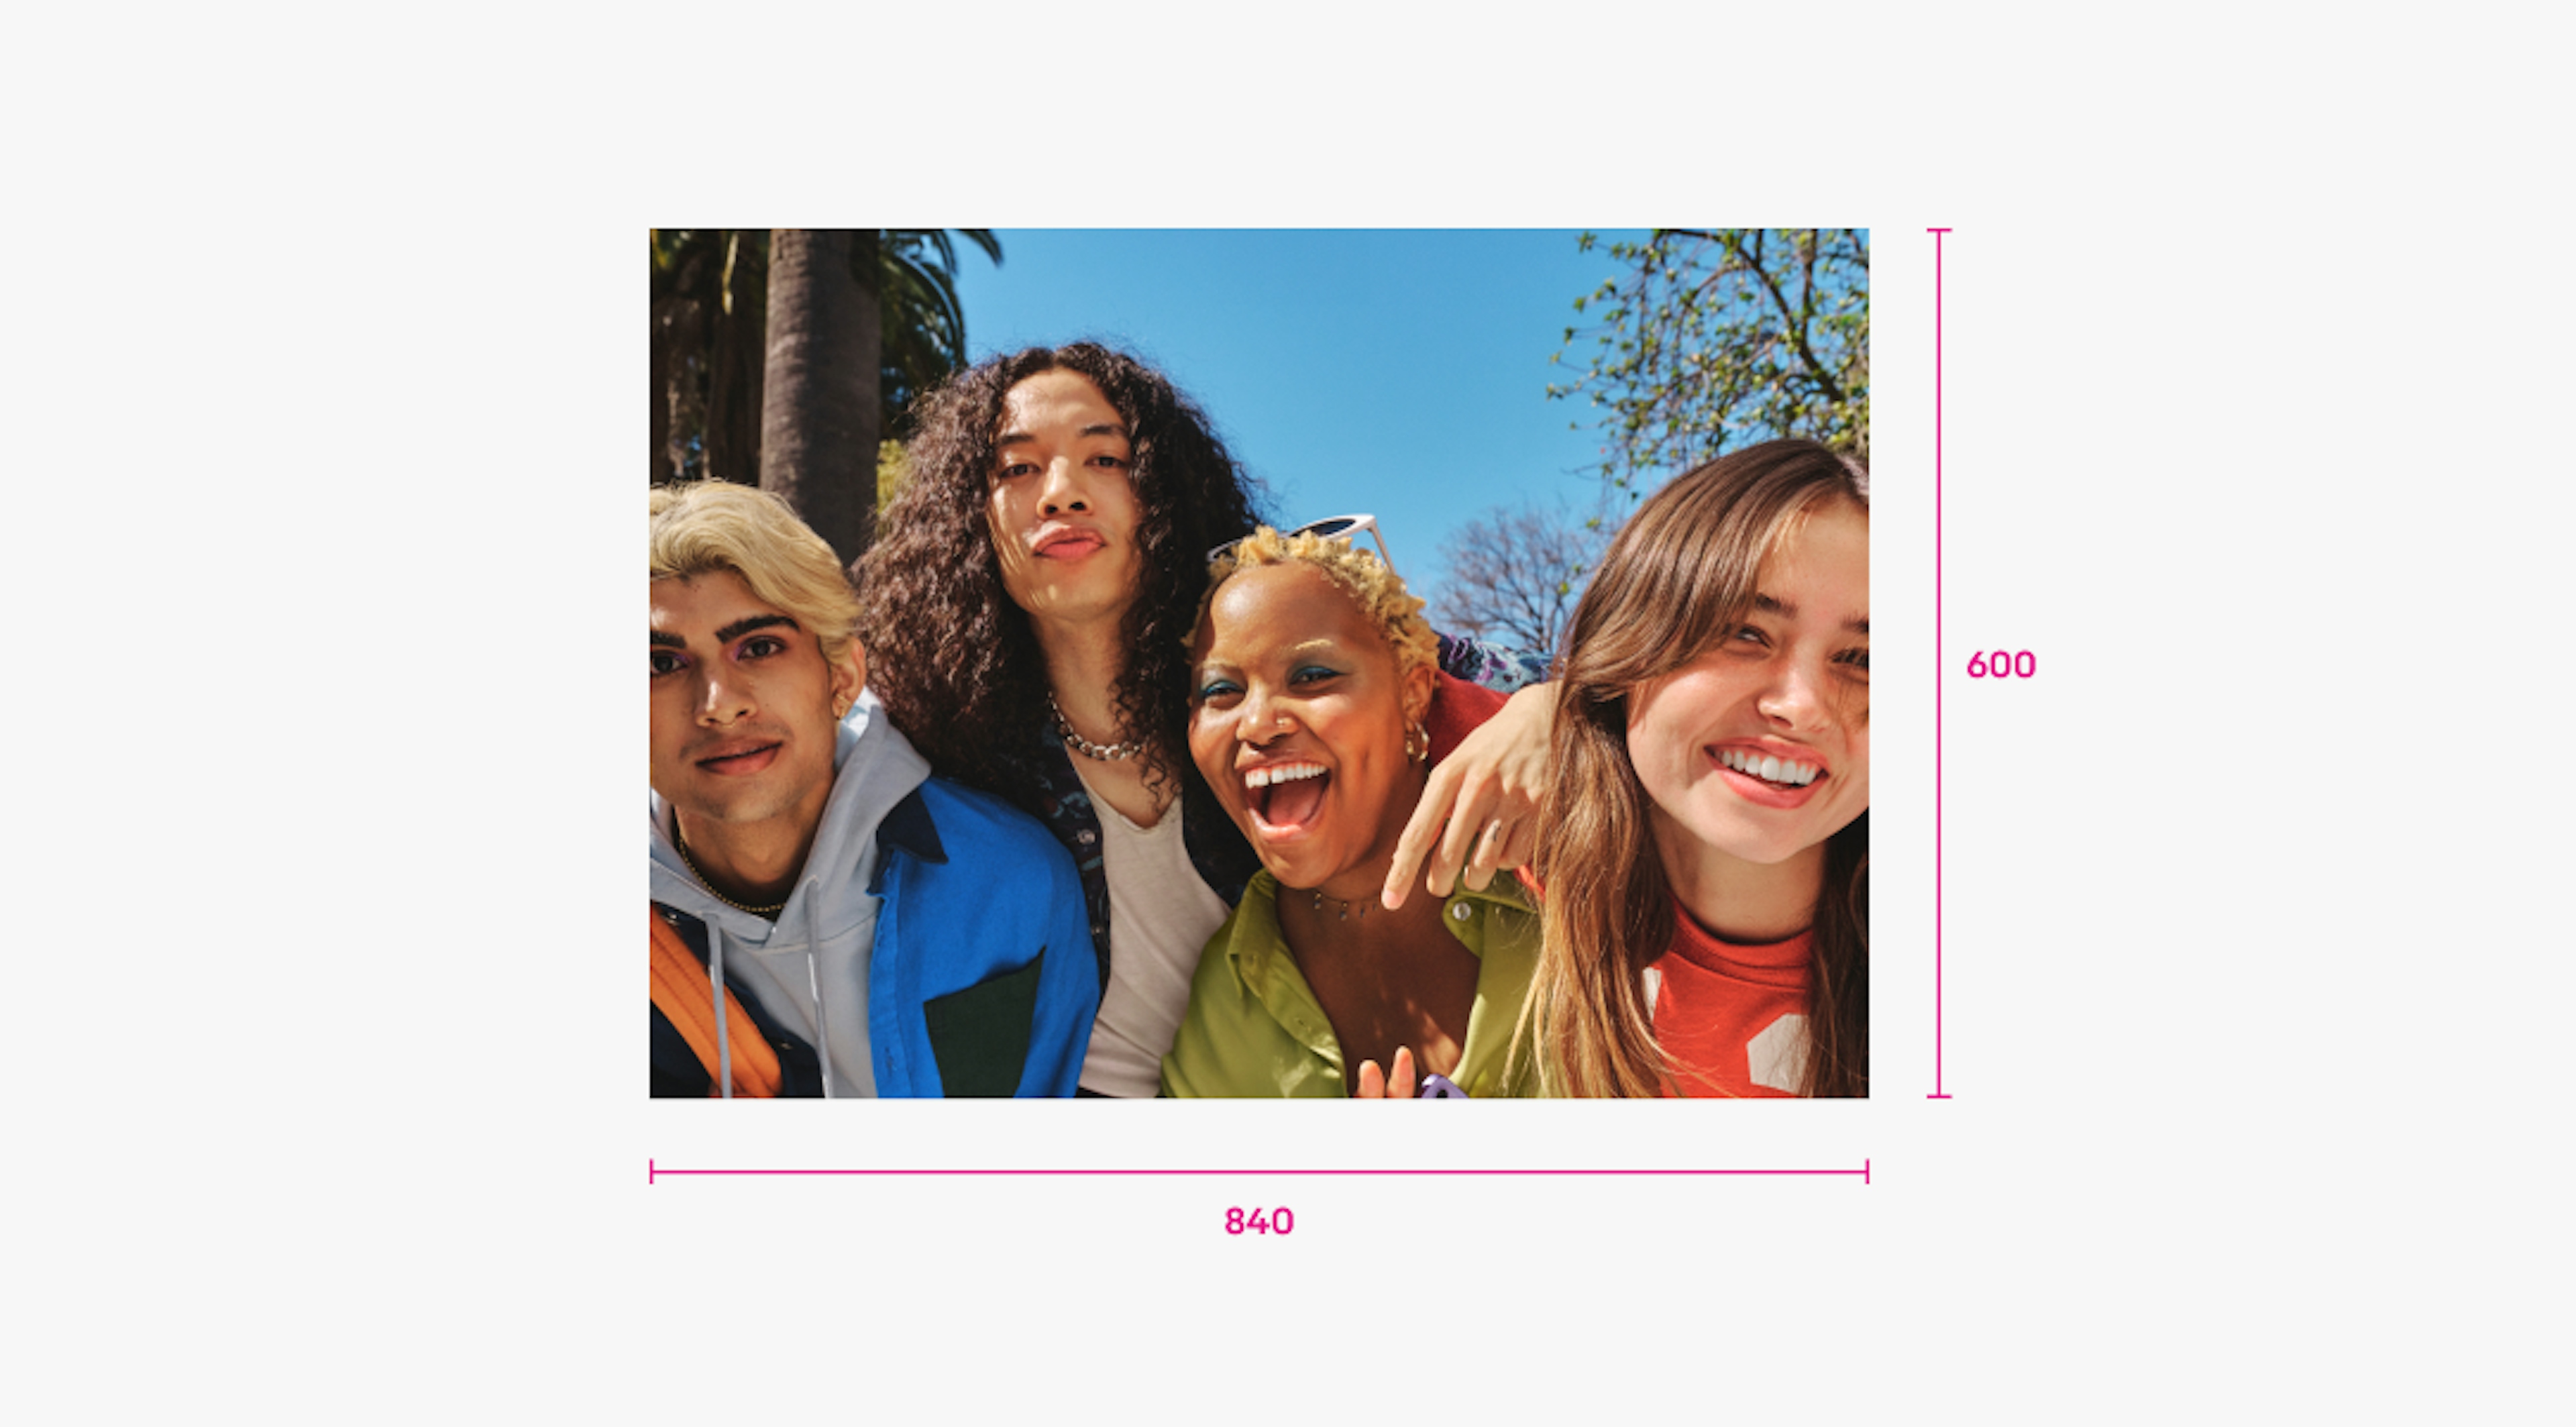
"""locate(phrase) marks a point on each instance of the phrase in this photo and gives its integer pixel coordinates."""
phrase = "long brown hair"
(1678, 578)
(958, 663)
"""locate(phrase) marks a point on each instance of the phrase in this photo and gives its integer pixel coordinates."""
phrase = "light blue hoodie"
(933, 929)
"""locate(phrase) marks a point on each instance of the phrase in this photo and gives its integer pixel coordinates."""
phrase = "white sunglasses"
(1334, 527)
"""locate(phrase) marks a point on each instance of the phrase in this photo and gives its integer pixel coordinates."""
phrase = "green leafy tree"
(1714, 338)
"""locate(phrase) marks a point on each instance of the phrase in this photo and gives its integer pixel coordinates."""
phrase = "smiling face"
(1062, 515)
(744, 708)
(1298, 718)
(1758, 750)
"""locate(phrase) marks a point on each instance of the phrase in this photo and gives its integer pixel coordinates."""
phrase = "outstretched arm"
(1479, 810)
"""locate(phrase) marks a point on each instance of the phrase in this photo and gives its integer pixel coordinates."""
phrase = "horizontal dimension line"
(655, 1172)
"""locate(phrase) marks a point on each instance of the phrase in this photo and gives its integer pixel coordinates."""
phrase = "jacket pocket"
(980, 1036)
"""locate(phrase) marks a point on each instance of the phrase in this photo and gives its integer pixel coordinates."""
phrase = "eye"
(1211, 689)
(760, 646)
(1110, 459)
(1856, 658)
(1014, 468)
(667, 661)
(1313, 674)
(1749, 637)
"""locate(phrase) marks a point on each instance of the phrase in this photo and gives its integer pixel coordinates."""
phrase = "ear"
(1419, 682)
(849, 676)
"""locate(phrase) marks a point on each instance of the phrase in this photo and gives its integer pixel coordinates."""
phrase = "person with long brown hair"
(1704, 843)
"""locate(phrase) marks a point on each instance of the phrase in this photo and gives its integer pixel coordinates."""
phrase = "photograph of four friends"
(1094, 777)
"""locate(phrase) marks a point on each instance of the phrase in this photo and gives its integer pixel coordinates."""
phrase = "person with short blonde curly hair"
(1314, 692)
(1364, 577)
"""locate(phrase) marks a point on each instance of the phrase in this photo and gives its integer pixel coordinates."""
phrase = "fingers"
(1372, 1080)
(1491, 844)
(1420, 836)
(1479, 808)
(1402, 1087)
(1458, 843)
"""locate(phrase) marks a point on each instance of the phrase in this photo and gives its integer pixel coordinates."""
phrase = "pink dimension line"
(653, 1172)
(1940, 666)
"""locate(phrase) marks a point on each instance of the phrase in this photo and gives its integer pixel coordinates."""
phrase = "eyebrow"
(1765, 604)
(731, 632)
(1021, 438)
(748, 623)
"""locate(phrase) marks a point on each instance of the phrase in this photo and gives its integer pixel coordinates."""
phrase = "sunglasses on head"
(1333, 527)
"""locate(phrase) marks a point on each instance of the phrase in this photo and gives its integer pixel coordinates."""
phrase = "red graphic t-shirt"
(1733, 1018)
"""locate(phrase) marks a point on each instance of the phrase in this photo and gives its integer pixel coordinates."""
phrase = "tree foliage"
(710, 303)
(1715, 338)
(1514, 573)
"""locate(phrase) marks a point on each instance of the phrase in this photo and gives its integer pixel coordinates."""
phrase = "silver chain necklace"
(1105, 752)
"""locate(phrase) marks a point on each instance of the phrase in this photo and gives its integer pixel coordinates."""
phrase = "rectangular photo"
(1260, 664)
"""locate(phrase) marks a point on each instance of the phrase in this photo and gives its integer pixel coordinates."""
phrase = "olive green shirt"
(1255, 1029)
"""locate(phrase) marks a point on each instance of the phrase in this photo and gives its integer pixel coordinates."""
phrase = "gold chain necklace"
(1345, 913)
(768, 913)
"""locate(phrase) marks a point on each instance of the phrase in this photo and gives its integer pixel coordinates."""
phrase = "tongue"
(1293, 802)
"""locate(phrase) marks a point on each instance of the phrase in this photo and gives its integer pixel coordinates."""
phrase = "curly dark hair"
(952, 656)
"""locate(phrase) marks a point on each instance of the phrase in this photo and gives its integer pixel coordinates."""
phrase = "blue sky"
(1400, 372)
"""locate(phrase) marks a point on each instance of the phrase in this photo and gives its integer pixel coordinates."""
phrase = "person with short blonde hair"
(827, 918)
(1313, 697)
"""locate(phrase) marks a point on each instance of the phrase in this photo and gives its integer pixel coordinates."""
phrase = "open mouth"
(1285, 797)
(1777, 772)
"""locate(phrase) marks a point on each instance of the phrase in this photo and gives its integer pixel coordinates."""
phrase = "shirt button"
(1084, 838)
(1459, 912)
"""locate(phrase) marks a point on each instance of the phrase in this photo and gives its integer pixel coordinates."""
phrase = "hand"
(1485, 796)
(1375, 1085)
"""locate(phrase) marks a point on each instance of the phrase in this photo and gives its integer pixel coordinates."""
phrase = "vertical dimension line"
(1940, 662)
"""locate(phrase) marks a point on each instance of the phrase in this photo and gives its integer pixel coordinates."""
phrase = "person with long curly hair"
(1032, 591)
(1704, 843)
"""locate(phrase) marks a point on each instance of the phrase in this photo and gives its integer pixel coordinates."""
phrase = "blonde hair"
(1377, 590)
(708, 527)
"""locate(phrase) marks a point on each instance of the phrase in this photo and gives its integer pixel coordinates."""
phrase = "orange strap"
(681, 994)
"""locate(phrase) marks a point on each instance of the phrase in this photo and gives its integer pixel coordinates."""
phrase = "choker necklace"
(1105, 752)
(769, 913)
(1343, 912)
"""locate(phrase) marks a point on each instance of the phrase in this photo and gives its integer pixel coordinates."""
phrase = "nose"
(1062, 491)
(1795, 698)
(722, 699)
(1259, 719)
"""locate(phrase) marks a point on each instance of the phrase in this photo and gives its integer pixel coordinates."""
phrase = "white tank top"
(1160, 917)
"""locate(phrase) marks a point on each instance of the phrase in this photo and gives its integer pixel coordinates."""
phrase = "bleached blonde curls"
(1377, 590)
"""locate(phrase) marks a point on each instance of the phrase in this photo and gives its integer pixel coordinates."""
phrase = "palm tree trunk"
(661, 392)
(818, 414)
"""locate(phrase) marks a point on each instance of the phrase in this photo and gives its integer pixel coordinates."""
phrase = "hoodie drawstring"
(814, 982)
(715, 979)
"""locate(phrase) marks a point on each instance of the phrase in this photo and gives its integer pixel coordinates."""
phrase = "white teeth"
(1283, 773)
(1770, 769)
